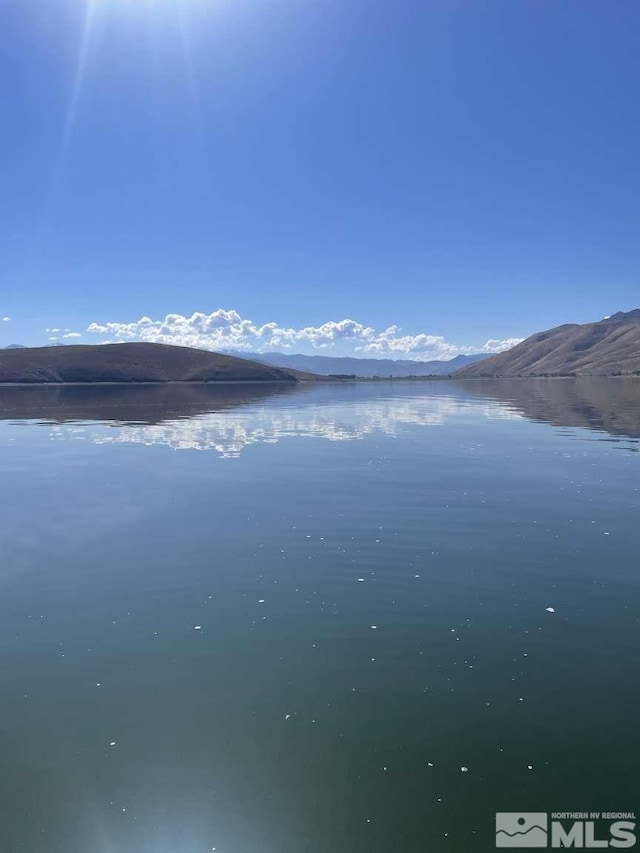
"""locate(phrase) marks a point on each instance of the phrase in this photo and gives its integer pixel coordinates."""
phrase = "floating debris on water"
(550, 609)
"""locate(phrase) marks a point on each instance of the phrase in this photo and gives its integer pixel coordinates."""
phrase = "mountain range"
(324, 365)
(609, 347)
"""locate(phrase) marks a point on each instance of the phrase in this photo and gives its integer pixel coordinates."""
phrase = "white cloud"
(493, 345)
(227, 330)
(6, 319)
(72, 335)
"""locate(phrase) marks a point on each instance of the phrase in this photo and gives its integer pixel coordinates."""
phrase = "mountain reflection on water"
(229, 418)
(606, 404)
(144, 403)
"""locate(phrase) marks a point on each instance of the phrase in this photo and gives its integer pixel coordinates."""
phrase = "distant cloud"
(53, 331)
(227, 330)
(6, 319)
(72, 335)
(493, 345)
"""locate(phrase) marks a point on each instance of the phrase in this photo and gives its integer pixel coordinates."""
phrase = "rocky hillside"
(610, 347)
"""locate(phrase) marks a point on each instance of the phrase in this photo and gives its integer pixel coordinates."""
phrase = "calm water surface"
(257, 620)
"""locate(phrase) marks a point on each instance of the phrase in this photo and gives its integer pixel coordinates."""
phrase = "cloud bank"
(227, 330)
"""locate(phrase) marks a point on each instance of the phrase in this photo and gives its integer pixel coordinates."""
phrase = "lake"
(332, 619)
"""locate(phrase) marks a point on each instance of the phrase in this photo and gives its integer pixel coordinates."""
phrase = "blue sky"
(441, 173)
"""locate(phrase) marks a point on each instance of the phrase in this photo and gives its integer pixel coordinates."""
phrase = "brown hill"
(134, 362)
(610, 347)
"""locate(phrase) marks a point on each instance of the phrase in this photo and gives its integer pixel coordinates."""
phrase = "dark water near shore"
(264, 620)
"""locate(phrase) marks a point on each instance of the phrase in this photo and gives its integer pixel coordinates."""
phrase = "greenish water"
(258, 620)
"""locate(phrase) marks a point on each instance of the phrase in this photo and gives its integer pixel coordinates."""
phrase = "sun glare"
(95, 13)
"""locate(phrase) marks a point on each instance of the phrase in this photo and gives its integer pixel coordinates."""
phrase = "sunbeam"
(74, 100)
(190, 69)
(78, 80)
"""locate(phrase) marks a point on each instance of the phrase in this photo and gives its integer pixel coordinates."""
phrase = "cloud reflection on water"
(229, 432)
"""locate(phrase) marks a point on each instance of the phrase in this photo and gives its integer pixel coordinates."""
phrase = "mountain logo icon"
(521, 829)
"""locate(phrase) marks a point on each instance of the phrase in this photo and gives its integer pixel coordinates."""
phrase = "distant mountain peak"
(624, 317)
